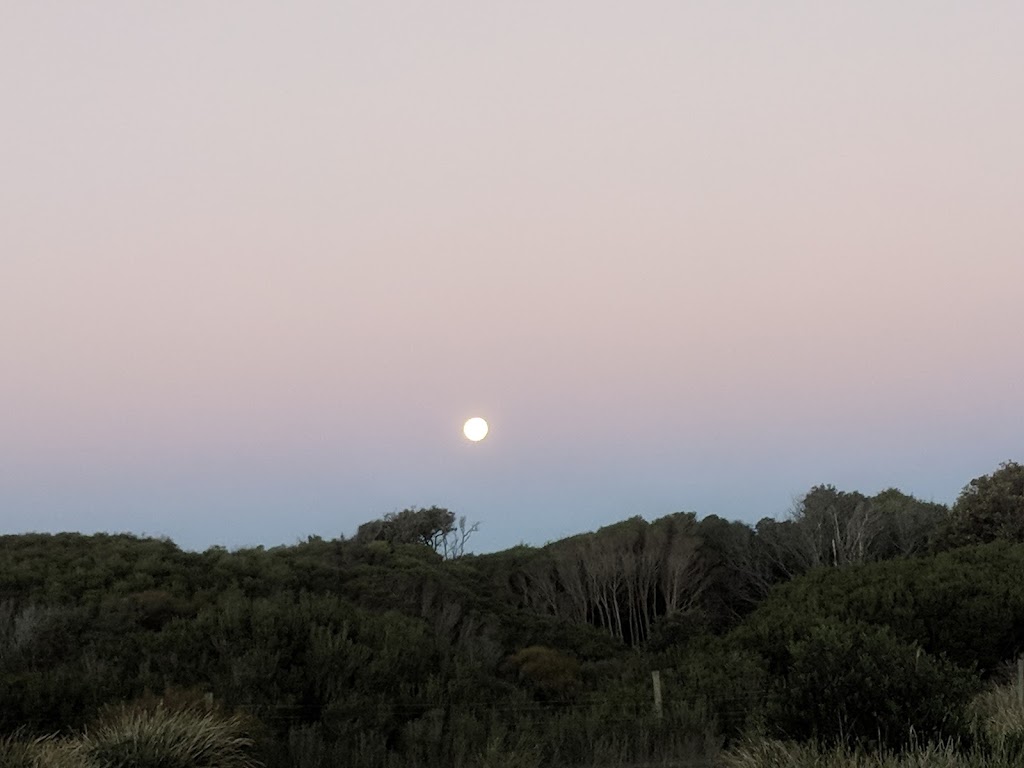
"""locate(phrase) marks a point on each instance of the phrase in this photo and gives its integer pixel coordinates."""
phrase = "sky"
(260, 260)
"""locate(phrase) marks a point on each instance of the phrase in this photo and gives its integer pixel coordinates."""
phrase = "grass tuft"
(135, 737)
(19, 751)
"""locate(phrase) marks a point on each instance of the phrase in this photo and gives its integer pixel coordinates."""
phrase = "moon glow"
(475, 429)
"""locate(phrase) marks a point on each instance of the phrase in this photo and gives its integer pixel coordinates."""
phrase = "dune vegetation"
(860, 631)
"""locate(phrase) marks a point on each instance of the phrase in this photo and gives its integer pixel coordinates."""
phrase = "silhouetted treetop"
(989, 507)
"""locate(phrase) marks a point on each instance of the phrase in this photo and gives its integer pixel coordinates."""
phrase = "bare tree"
(683, 576)
(453, 544)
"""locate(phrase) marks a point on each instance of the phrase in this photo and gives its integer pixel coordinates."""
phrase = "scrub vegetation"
(861, 631)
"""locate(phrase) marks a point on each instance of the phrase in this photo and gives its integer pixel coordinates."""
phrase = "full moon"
(475, 429)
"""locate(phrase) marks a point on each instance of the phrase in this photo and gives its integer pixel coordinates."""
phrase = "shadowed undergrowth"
(997, 719)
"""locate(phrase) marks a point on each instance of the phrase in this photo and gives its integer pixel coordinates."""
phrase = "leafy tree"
(989, 507)
(738, 573)
(827, 527)
(435, 527)
(908, 524)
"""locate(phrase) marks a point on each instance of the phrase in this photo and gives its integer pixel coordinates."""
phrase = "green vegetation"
(859, 631)
(989, 508)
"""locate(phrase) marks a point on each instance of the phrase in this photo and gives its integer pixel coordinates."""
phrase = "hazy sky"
(260, 260)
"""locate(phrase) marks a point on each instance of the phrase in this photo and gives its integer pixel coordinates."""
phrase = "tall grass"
(132, 736)
(15, 752)
(777, 754)
(19, 751)
(999, 714)
(771, 753)
(998, 721)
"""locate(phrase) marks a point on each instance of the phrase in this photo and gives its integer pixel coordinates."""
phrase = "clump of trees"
(621, 579)
(834, 528)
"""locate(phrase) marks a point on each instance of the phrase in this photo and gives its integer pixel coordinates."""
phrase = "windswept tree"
(435, 527)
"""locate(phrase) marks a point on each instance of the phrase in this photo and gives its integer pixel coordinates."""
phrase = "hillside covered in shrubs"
(860, 622)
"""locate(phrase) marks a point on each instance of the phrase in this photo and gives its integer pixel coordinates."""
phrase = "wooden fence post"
(656, 679)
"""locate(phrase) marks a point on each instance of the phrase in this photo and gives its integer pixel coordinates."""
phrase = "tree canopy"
(989, 507)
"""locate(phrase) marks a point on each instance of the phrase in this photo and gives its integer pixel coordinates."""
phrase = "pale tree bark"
(683, 577)
(854, 537)
(569, 570)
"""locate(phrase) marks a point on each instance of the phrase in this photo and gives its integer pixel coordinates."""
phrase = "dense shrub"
(858, 684)
(967, 604)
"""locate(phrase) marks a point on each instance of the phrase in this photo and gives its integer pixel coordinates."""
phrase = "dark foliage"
(989, 508)
(398, 648)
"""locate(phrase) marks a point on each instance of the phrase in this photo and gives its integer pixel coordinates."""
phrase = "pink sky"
(258, 261)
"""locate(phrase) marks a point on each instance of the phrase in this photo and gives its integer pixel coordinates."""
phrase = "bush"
(851, 683)
(549, 672)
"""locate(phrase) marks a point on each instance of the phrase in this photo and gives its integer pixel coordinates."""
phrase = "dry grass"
(17, 751)
(999, 714)
(139, 737)
(133, 737)
(776, 754)
(998, 719)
